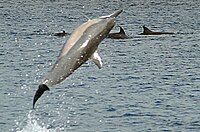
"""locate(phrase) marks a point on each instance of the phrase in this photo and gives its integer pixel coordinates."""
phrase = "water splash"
(32, 125)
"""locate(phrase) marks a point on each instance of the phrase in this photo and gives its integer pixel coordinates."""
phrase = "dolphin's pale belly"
(65, 66)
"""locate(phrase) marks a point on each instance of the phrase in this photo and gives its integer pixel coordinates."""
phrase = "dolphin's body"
(120, 35)
(149, 32)
(80, 47)
(61, 34)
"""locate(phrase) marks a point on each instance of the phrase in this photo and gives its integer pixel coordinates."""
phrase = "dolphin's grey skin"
(120, 35)
(61, 34)
(80, 47)
(149, 32)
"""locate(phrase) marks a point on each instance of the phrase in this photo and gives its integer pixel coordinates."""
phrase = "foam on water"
(32, 125)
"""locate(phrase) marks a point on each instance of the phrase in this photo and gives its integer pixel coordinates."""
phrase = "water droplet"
(16, 40)
(96, 91)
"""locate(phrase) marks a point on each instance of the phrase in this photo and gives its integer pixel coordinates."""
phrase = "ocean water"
(147, 83)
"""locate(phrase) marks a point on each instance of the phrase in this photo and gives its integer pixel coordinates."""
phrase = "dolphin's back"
(76, 35)
(149, 32)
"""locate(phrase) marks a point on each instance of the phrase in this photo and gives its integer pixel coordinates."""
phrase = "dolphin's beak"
(115, 14)
(39, 92)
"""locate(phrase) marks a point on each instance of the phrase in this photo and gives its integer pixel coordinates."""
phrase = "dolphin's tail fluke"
(39, 92)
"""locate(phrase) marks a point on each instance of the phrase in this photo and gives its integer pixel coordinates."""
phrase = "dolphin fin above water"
(81, 46)
(120, 35)
(121, 30)
(147, 31)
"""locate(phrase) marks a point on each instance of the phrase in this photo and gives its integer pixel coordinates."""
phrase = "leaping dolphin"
(120, 35)
(149, 32)
(80, 47)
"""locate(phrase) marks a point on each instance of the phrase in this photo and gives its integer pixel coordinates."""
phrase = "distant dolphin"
(61, 34)
(120, 35)
(80, 47)
(149, 32)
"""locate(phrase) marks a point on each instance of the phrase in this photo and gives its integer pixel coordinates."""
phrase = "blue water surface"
(147, 83)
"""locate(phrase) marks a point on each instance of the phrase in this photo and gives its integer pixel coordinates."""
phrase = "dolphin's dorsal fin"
(121, 30)
(146, 30)
(97, 59)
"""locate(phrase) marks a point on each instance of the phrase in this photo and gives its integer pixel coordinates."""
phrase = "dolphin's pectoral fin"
(39, 92)
(97, 59)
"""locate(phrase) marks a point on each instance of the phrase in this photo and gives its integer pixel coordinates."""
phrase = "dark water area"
(147, 83)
